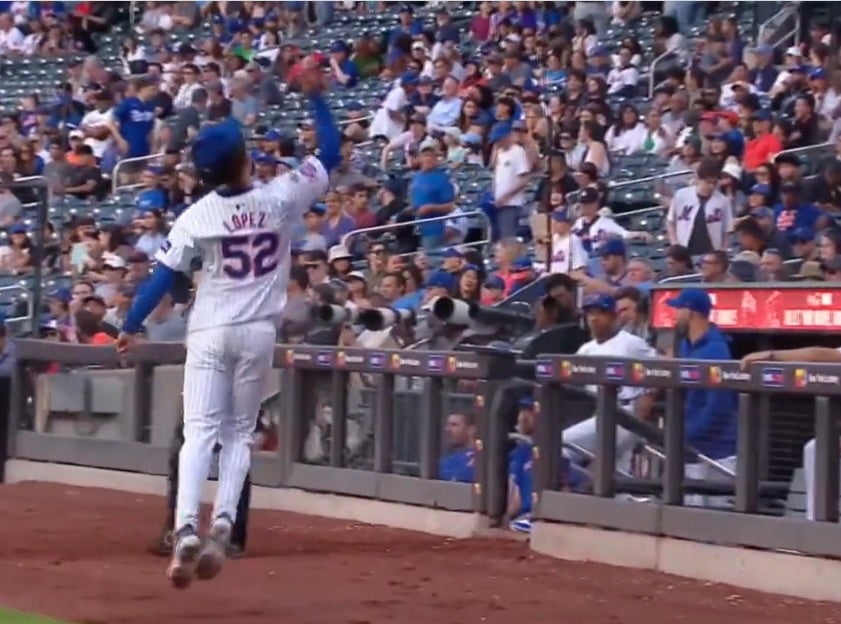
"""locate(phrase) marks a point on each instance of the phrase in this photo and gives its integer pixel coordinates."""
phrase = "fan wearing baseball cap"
(710, 415)
(610, 340)
(593, 229)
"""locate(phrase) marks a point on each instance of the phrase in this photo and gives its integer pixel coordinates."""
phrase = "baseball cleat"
(215, 546)
(184, 558)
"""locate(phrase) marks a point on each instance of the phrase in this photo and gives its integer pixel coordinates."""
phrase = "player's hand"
(124, 343)
(312, 78)
(750, 358)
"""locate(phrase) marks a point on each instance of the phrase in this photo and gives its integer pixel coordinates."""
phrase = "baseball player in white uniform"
(608, 341)
(241, 235)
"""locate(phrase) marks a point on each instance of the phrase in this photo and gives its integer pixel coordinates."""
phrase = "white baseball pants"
(583, 434)
(225, 379)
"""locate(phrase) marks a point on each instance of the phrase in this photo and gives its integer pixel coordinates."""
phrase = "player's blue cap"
(803, 235)
(453, 252)
(692, 299)
(215, 145)
(440, 279)
(495, 282)
(526, 402)
(338, 46)
(408, 78)
(500, 130)
(602, 302)
(613, 247)
(62, 294)
(17, 228)
(522, 264)
(262, 158)
(761, 189)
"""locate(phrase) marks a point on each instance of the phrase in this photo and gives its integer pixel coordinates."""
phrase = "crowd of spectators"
(504, 122)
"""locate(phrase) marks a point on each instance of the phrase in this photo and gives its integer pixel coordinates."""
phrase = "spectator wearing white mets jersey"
(818, 355)
(610, 341)
(242, 237)
(700, 217)
(568, 255)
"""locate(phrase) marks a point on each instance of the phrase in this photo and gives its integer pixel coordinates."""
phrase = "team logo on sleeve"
(166, 246)
(308, 170)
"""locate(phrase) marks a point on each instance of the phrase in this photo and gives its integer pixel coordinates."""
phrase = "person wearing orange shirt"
(764, 145)
(89, 329)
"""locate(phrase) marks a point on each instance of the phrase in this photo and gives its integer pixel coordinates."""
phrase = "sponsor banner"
(761, 309)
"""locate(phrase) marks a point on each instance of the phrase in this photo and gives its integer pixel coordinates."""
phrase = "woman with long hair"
(595, 151)
(628, 134)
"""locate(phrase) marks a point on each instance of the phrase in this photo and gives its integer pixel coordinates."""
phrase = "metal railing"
(572, 198)
(652, 73)
(116, 187)
(390, 227)
(790, 10)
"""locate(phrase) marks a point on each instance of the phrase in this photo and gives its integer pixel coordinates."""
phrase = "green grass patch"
(14, 617)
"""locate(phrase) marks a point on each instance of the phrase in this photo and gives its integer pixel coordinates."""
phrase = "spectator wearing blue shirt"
(336, 223)
(408, 25)
(520, 479)
(457, 464)
(790, 214)
(343, 70)
(710, 415)
(135, 119)
(424, 97)
(764, 74)
(431, 195)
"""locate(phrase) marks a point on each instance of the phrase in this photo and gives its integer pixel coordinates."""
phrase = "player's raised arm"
(326, 131)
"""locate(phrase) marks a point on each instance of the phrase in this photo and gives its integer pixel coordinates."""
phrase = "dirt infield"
(78, 554)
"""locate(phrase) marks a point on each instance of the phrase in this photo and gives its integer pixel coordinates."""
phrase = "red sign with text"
(762, 309)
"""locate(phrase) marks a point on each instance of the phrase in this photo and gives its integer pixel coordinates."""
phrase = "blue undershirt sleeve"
(161, 282)
(329, 139)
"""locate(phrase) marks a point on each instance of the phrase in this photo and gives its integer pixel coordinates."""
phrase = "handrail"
(651, 71)
(613, 186)
(786, 11)
(115, 175)
(808, 148)
(393, 226)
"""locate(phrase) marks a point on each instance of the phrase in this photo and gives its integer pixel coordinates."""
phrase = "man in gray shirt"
(58, 170)
(10, 206)
(244, 107)
(189, 119)
(165, 323)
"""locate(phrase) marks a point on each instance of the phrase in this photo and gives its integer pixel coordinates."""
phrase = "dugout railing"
(666, 514)
(302, 369)
(480, 375)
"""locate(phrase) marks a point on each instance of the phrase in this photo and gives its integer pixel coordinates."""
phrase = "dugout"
(767, 316)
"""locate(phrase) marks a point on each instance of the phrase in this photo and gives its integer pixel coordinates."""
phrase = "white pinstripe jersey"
(244, 244)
